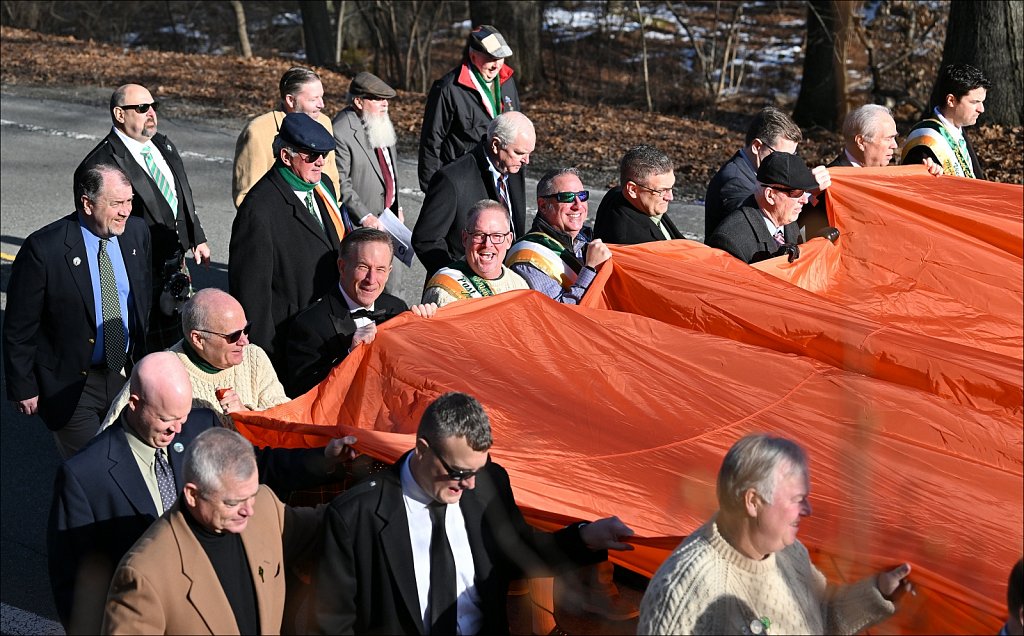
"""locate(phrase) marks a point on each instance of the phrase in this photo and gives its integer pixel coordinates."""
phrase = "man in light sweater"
(745, 572)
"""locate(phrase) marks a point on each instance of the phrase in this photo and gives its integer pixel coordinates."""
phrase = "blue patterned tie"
(113, 327)
(161, 181)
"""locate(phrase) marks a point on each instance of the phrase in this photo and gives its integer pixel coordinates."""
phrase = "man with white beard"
(367, 161)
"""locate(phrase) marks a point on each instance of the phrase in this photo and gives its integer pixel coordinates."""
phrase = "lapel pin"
(133, 251)
(76, 261)
(178, 447)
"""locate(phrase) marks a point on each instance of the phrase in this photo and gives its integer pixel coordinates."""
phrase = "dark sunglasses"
(794, 193)
(568, 197)
(311, 157)
(141, 108)
(232, 337)
(453, 473)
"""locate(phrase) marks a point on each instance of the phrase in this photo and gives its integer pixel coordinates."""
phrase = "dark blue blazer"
(731, 185)
(50, 321)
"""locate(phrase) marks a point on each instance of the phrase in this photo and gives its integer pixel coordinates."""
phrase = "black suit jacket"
(320, 336)
(745, 235)
(454, 189)
(280, 261)
(841, 161)
(619, 222)
(731, 185)
(365, 581)
(101, 506)
(169, 235)
(50, 322)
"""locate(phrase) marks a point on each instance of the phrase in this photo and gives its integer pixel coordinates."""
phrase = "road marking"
(18, 621)
(6, 257)
(53, 132)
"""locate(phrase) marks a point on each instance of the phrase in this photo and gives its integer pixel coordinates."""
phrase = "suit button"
(85, 373)
(92, 341)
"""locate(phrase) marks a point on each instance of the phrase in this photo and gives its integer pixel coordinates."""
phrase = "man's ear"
(191, 494)
(859, 140)
(195, 340)
(750, 502)
(951, 100)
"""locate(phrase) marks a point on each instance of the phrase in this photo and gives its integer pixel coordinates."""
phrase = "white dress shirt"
(135, 148)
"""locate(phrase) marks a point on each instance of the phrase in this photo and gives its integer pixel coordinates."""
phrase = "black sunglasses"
(232, 337)
(568, 197)
(141, 108)
(311, 157)
(455, 474)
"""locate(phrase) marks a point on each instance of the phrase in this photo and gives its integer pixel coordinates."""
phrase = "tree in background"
(823, 91)
(989, 34)
(520, 23)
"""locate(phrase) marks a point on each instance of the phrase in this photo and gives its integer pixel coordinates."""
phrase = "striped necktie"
(161, 180)
(311, 206)
(113, 326)
(779, 238)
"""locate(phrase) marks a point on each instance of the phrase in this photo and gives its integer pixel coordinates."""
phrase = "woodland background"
(596, 76)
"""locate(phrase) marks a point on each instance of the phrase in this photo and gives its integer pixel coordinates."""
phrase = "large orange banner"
(894, 357)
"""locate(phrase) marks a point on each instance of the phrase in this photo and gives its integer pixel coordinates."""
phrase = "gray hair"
(456, 415)
(215, 453)
(196, 312)
(640, 163)
(864, 121)
(91, 181)
(752, 462)
(294, 79)
(507, 127)
(546, 185)
(770, 125)
(479, 208)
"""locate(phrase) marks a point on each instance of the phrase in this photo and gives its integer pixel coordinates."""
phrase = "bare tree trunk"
(643, 45)
(822, 99)
(988, 35)
(243, 33)
(339, 32)
(316, 29)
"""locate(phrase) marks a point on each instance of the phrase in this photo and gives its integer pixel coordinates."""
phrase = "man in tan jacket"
(301, 92)
(215, 562)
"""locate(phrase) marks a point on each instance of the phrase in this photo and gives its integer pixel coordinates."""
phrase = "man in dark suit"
(635, 211)
(106, 496)
(162, 198)
(285, 238)
(494, 169)
(77, 310)
(326, 331)
(765, 225)
(430, 546)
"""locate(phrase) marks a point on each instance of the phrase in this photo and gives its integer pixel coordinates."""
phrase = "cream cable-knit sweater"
(508, 281)
(707, 587)
(254, 380)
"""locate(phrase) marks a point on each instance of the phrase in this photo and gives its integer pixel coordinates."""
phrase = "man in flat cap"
(285, 238)
(765, 225)
(463, 102)
(367, 159)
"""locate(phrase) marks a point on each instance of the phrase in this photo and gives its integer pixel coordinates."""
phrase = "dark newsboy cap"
(369, 85)
(787, 170)
(486, 39)
(301, 131)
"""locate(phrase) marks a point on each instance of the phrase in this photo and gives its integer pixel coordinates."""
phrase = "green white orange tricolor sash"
(932, 134)
(460, 281)
(544, 253)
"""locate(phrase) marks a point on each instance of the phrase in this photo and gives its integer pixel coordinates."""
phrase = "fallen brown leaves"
(592, 138)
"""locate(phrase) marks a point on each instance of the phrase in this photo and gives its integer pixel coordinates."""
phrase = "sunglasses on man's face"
(141, 108)
(568, 197)
(311, 157)
(232, 337)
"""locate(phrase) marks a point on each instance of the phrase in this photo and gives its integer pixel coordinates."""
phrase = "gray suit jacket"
(745, 235)
(360, 180)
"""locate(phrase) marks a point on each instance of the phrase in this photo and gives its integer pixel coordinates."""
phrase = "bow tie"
(375, 315)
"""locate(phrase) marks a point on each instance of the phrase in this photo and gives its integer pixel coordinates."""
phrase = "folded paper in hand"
(401, 236)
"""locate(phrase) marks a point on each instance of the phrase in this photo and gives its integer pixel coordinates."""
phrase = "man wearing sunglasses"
(429, 547)
(285, 237)
(558, 256)
(765, 226)
(162, 197)
(636, 211)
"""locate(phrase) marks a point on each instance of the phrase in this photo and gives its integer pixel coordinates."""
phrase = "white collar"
(958, 132)
(134, 147)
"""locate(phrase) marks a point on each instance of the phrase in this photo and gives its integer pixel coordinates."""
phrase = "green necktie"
(311, 206)
(113, 327)
(161, 181)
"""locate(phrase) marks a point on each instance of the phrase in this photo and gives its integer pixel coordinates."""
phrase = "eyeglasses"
(311, 157)
(767, 145)
(794, 193)
(232, 337)
(568, 197)
(496, 238)
(141, 108)
(455, 474)
(661, 193)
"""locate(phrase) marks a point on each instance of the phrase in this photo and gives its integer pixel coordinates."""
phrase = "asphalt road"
(43, 137)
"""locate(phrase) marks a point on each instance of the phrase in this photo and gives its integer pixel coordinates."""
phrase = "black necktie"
(376, 315)
(443, 609)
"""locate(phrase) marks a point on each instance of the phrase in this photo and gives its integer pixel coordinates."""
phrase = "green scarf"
(479, 283)
(492, 90)
(194, 358)
(293, 179)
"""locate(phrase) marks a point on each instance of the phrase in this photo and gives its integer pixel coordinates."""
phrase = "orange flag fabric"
(894, 357)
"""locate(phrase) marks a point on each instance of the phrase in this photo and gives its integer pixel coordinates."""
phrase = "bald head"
(127, 104)
(215, 326)
(160, 398)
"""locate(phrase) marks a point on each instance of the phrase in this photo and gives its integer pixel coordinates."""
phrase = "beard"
(379, 130)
